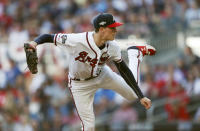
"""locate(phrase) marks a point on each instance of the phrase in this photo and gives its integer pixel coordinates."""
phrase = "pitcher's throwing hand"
(146, 102)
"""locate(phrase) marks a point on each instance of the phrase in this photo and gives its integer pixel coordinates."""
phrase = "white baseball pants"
(83, 91)
(83, 94)
(135, 57)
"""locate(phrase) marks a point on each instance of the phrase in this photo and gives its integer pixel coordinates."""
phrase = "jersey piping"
(93, 51)
(55, 39)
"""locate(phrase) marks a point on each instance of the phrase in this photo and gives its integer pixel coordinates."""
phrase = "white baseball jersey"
(86, 59)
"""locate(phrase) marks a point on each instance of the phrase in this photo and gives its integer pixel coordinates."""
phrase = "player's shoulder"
(74, 37)
(113, 44)
(77, 35)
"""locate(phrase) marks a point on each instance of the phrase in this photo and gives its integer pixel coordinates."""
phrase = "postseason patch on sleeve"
(60, 38)
(64, 38)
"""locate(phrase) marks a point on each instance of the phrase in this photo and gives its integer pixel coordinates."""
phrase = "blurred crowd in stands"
(142, 17)
(43, 102)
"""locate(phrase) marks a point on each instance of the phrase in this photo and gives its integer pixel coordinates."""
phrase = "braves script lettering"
(104, 58)
(83, 57)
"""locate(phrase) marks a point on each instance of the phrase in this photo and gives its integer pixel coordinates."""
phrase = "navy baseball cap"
(105, 20)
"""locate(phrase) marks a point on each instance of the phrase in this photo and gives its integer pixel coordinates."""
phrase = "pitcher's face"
(109, 33)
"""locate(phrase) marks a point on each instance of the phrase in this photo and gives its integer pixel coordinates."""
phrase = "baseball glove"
(31, 58)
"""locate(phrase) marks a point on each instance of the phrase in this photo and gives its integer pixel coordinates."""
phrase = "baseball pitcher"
(89, 51)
